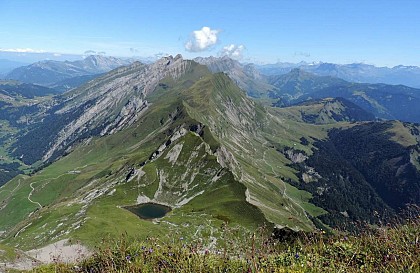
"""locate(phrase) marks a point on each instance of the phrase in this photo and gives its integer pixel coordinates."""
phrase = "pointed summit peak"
(226, 57)
(177, 57)
(170, 60)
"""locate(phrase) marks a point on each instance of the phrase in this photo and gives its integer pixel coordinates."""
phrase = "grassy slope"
(65, 188)
(389, 249)
(252, 134)
(97, 161)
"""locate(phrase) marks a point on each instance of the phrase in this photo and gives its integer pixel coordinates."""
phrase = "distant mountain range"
(50, 73)
(297, 82)
(356, 72)
(6, 66)
(252, 78)
(395, 102)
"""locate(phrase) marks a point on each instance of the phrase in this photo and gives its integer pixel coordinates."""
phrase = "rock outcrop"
(125, 91)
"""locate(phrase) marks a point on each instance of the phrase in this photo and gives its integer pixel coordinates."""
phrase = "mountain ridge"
(95, 119)
(49, 72)
(384, 101)
(355, 72)
(330, 110)
(246, 76)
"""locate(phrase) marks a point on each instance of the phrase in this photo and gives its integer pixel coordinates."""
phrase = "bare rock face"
(224, 64)
(114, 101)
(296, 157)
(247, 77)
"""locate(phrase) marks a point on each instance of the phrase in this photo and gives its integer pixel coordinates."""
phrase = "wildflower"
(128, 257)
(150, 250)
(297, 256)
(182, 238)
(206, 251)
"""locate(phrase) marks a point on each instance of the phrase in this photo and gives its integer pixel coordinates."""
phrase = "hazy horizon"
(381, 33)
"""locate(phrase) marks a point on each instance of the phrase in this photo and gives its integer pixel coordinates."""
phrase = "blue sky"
(375, 32)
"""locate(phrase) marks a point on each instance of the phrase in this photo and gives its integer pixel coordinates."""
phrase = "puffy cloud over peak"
(202, 39)
(233, 51)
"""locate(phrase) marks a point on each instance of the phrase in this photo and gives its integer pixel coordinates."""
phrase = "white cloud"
(90, 52)
(202, 40)
(21, 50)
(93, 52)
(233, 51)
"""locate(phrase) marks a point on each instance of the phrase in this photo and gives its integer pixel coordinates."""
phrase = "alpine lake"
(149, 211)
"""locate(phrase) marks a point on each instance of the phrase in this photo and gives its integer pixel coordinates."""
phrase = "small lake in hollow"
(149, 210)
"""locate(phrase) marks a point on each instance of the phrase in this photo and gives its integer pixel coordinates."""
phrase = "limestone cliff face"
(113, 101)
(247, 77)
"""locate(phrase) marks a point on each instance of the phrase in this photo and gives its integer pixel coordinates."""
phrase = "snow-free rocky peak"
(112, 102)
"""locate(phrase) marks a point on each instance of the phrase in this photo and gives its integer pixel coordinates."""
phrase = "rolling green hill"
(330, 110)
(393, 102)
(297, 83)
